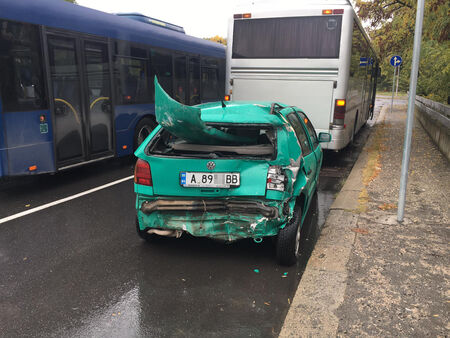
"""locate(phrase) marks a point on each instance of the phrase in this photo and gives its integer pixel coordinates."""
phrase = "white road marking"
(69, 198)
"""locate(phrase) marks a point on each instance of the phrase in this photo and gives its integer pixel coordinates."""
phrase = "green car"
(228, 171)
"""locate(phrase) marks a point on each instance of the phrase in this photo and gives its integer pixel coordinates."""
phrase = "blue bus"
(76, 85)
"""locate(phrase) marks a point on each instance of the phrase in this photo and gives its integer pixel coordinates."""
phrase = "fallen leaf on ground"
(360, 231)
(387, 206)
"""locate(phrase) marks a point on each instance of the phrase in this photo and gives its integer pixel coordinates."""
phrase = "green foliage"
(392, 24)
(72, 1)
(218, 39)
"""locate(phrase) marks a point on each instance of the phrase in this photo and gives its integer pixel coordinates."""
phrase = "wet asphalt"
(78, 269)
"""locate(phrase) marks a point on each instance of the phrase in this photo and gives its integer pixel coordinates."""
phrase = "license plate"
(209, 180)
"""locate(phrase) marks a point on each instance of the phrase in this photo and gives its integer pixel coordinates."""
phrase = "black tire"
(288, 240)
(143, 129)
(352, 141)
(143, 234)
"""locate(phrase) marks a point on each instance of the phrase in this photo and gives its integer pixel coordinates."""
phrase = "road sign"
(396, 60)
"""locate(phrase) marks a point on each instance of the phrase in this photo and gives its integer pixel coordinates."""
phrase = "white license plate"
(209, 180)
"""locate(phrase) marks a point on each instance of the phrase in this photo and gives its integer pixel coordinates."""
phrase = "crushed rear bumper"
(225, 219)
(227, 206)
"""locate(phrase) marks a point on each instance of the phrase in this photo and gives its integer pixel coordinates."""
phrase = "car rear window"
(260, 143)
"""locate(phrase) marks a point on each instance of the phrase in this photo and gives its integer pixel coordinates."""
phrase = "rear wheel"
(143, 129)
(352, 141)
(288, 240)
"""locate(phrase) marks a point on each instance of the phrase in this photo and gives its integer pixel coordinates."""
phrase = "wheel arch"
(137, 123)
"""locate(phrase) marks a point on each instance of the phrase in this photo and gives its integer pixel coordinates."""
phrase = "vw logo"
(210, 165)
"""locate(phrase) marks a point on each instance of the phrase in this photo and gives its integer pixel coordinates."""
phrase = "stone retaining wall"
(435, 119)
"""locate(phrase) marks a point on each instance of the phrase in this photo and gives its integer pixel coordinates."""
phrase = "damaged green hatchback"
(228, 170)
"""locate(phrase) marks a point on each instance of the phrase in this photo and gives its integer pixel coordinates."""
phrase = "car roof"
(248, 112)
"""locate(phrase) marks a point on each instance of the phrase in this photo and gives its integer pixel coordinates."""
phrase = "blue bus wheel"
(143, 129)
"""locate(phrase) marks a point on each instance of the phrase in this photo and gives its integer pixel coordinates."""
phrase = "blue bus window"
(194, 80)
(162, 68)
(131, 80)
(21, 83)
(210, 79)
(180, 79)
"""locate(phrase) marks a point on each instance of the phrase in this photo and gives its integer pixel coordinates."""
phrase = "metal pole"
(410, 114)
(393, 88)
(398, 77)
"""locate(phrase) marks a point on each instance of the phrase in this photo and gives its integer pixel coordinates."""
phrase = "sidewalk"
(368, 274)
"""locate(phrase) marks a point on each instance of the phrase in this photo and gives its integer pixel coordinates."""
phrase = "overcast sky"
(201, 18)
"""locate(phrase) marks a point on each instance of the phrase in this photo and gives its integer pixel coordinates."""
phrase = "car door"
(314, 141)
(310, 161)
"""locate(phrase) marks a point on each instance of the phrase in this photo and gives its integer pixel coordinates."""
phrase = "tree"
(218, 39)
(392, 25)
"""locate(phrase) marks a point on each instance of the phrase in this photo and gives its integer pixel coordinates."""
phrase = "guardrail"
(435, 119)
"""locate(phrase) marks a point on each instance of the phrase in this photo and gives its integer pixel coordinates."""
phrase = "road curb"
(322, 287)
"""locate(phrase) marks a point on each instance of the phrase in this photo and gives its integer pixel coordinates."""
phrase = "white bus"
(315, 56)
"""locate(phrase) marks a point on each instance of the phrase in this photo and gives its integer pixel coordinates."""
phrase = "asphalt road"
(78, 269)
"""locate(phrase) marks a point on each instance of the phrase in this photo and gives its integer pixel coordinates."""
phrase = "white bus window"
(289, 37)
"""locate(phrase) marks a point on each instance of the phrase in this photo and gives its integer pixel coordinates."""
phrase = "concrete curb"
(322, 287)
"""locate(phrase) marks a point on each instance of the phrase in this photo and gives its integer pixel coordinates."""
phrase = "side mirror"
(324, 137)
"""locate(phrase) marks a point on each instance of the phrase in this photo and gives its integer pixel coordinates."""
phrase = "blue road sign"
(363, 62)
(396, 60)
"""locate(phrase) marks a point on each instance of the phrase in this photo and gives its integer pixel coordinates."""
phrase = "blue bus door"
(81, 93)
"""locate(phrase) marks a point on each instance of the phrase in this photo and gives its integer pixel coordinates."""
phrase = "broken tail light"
(142, 173)
(275, 179)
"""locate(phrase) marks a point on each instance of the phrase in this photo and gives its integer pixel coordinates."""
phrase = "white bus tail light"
(242, 16)
(332, 11)
(339, 112)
